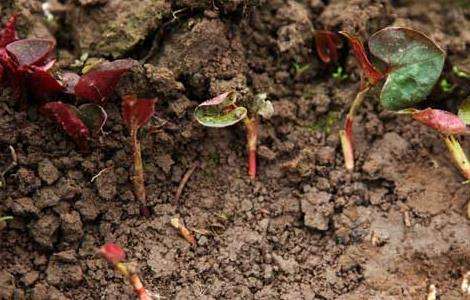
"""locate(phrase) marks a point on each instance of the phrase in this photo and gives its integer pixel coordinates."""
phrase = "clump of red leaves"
(135, 114)
(24, 64)
(115, 255)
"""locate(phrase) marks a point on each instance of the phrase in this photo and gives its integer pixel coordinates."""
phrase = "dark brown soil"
(305, 229)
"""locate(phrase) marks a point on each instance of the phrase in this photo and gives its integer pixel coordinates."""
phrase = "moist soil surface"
(304, 229)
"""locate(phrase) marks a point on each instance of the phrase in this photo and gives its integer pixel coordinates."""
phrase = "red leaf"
(42, 84)
(368, 70)
(112, 253)
(98, 84)
(66, 116)
(8, 33)
(327, 44)
(441, 120)
(29, 52)
(137, 112)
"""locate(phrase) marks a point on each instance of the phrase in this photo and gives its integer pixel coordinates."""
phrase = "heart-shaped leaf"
(415, 63)
(440, 120)
(136, 112)
(220, 111)
(99, 83)
(29, 52)
(464, 111)
(66, 116)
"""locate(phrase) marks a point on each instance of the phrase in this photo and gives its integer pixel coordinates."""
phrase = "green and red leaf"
(415, 63)
(220, 111)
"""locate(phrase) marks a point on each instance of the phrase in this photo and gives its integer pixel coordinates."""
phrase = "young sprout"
(114, 255)
(222, 111)
(78, 122)
(413, 66)
(327, 44)
(3, 221)
(183, 230)
(135, 114)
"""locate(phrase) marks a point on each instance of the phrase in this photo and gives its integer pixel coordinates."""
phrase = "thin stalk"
(251, 125)
(458, 155)
(346, 135)
(134, 280)
(138, 179)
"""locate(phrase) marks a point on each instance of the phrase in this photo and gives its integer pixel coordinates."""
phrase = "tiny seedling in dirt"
(413, 66)
(327, 44)
(3, 221)
(135, 114)
(115, 255)
(222, 111)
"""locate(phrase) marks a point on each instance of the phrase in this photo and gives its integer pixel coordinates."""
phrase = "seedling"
(183, 230)
(3, 221)
(115, 255)
(413, 66)
(135, 114)
(24, 64)
(222, 111)
(79, 123)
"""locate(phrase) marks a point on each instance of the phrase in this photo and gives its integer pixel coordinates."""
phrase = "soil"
(305, 229)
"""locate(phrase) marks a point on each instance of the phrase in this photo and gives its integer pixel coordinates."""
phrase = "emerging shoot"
(114, 255)
(222, 111)
(135, 114)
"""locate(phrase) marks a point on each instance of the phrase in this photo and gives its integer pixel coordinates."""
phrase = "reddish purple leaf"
(441, 120)
(29, 52)
(67, 117)
(8, 33)
(327, 44)
(98, 84)
(42, 84)
(136, 112)
(368, 70)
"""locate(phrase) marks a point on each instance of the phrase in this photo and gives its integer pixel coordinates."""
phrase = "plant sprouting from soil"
(135, 114)
(116, 256)
(327, 44)
(222, 111)
(413, 66)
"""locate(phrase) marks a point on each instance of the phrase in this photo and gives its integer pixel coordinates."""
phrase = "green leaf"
(464, 111)
(220, 111)
(415, 64)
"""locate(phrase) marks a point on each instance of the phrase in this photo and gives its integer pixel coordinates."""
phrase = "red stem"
(138, 178)
(251, 142)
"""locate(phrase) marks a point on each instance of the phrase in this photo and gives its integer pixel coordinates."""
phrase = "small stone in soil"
(48, 172)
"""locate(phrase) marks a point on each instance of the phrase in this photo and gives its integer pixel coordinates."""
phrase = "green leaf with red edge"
(220, 111)
(66, 116)
(369, 72)
(464, 111)
(415, 63)
(137, 112)
(8, 33)
(327, 44)
(29, 52)
(440, 120)
(99, 83)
